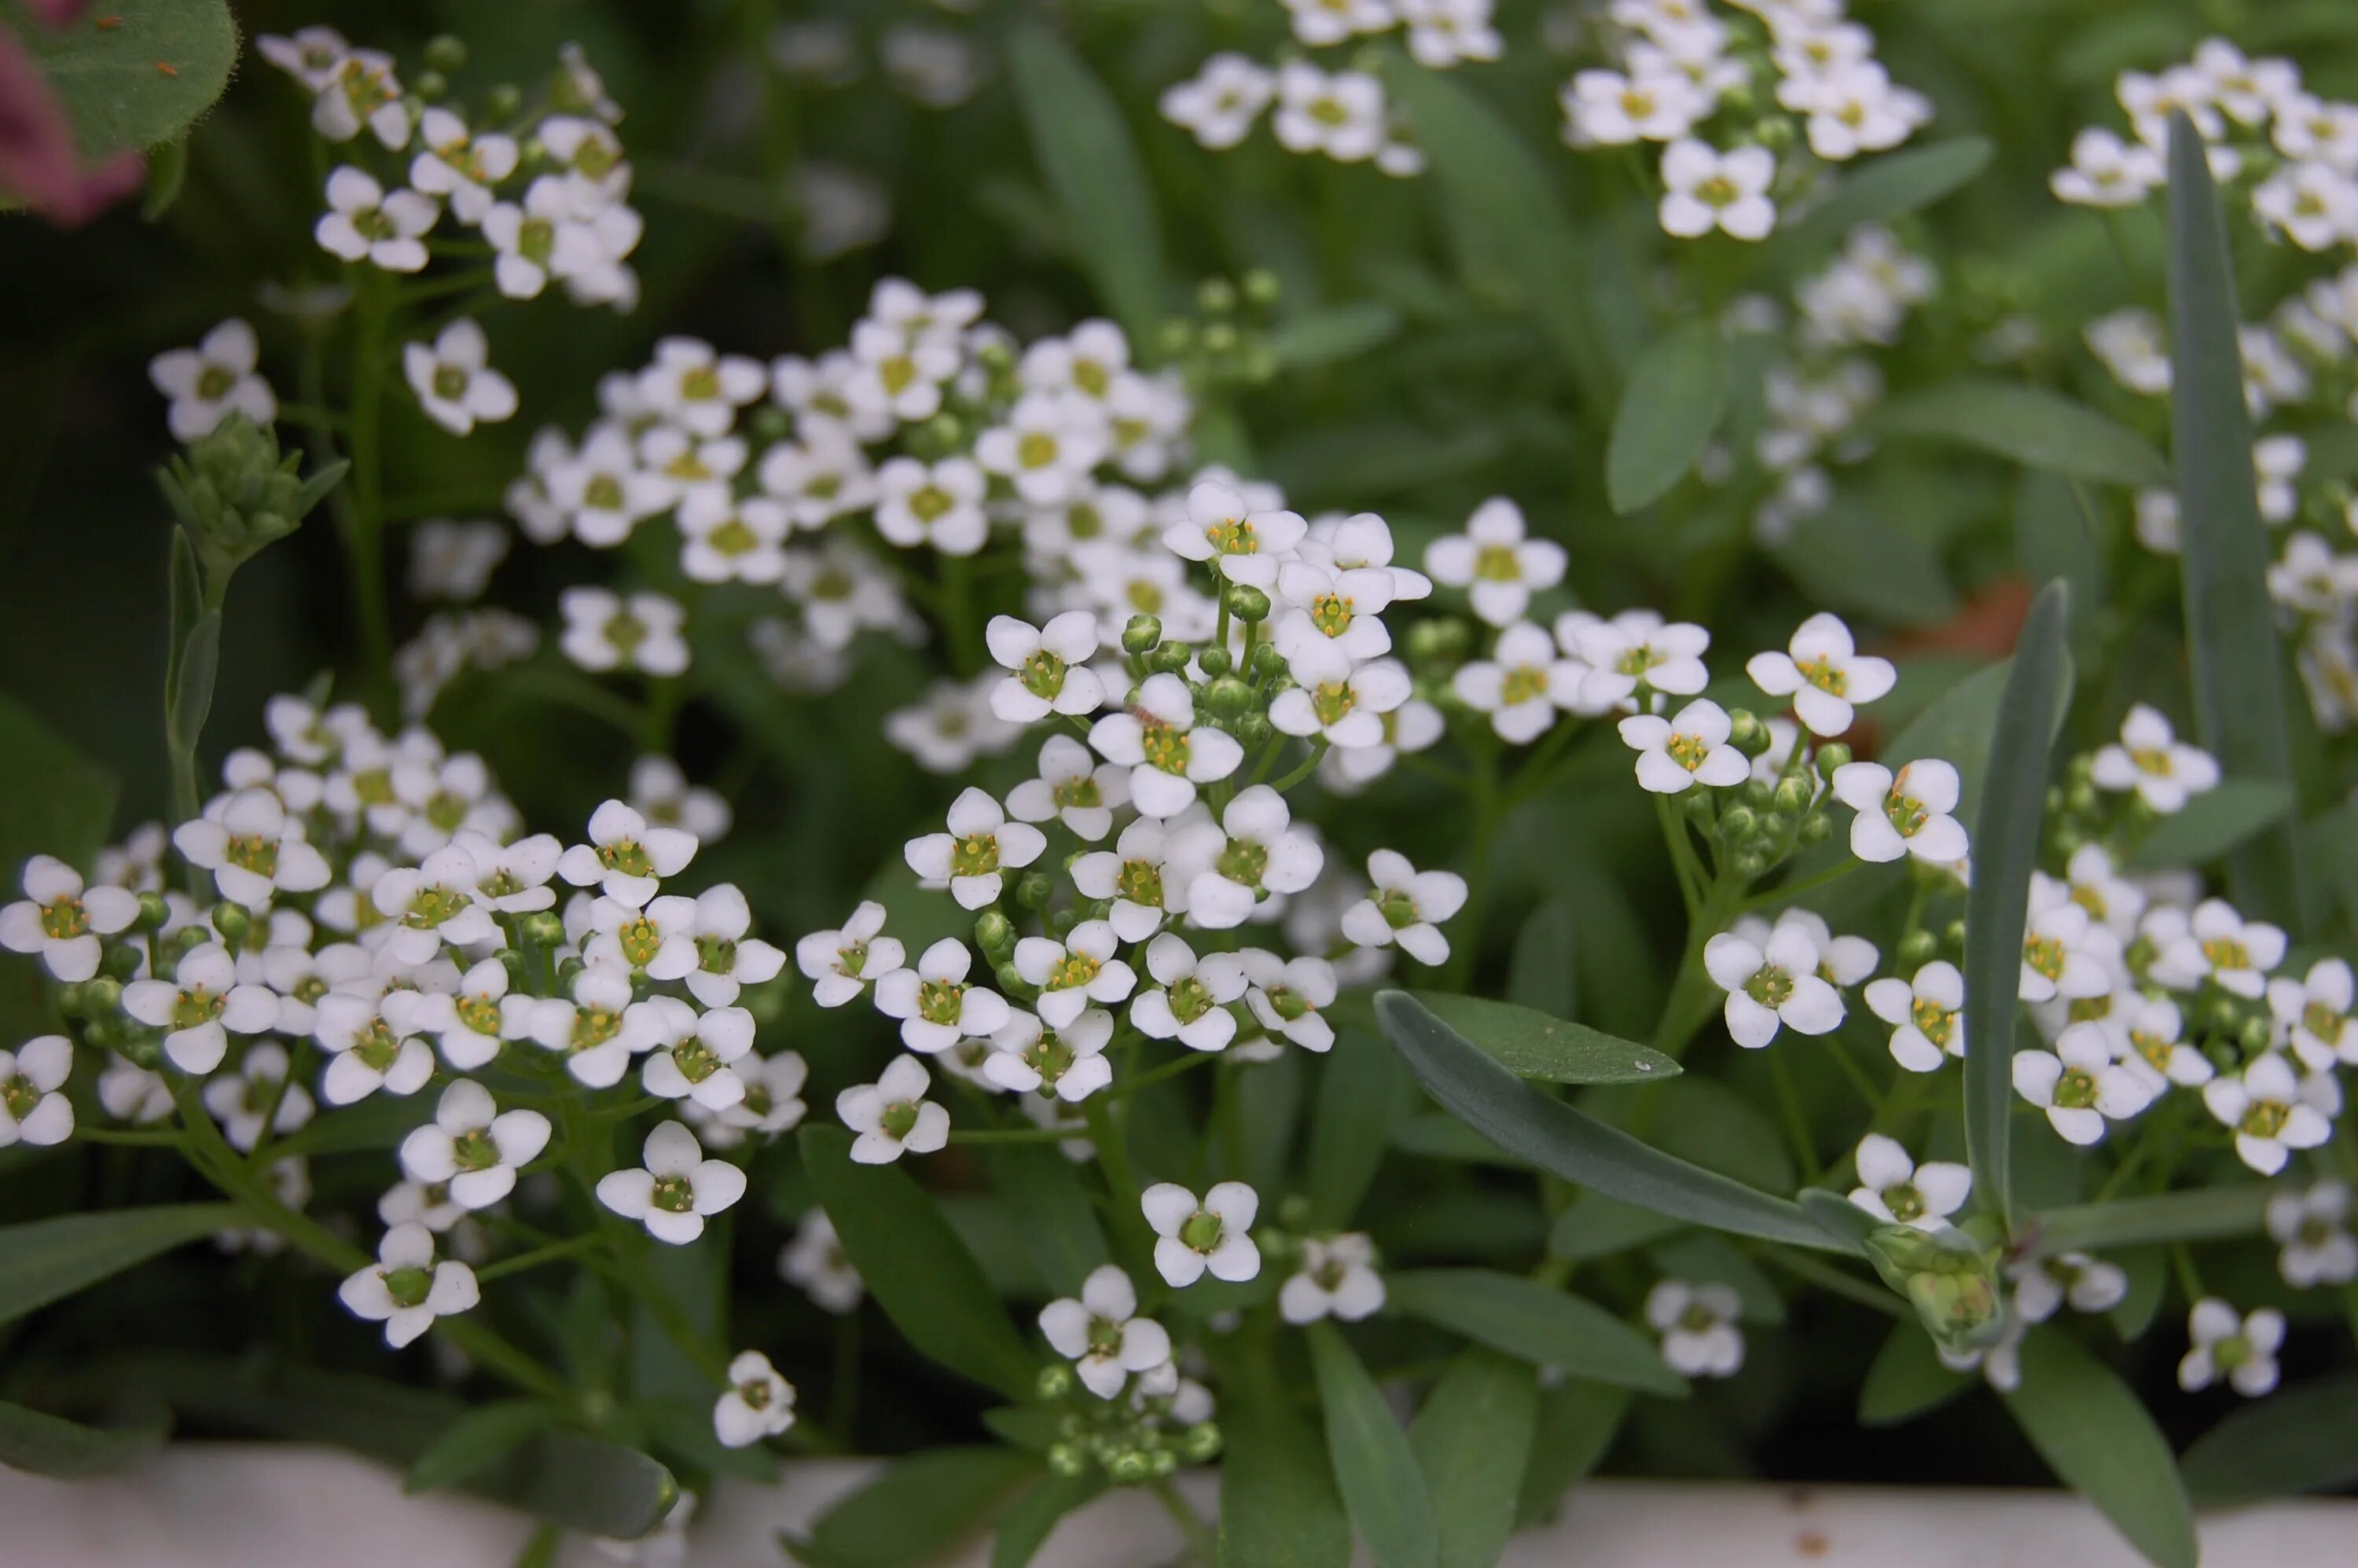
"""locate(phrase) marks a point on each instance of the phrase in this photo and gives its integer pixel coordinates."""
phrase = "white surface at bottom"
(252, 1505)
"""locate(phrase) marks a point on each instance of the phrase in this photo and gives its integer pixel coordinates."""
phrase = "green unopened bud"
(1169, 658)
(1219, 338)
(123, 962)
(1141, 635)
(1954, 936)
(445, 51)
(1162, 1463)
(1128, 1469)
(1260, 362)
(769, 424)
(432, 86)
(1177, 336)
(188, 937)
(233, 922)
(544, 927)
(503, 100)
(1246, 603)
(1751, 862)
(567, 972)
(1773, 132)
(995, 935)
(1261, 287)
(70, 998)
(938, 436)
(1068, 1461)
(1228, 696)
(2253, 1036)
(1444, 640)
(1698, 803)
(101, 997)
(153, 913)
(1832, 755)
(1952, 1279)
(995, 357)
(2079, 798)
(1061, 923)
(1738, 823)
(1746, 734)
(1815, 829)
(1011, 979)
(1790, 796)
(1918, 948)
(1267, 661)
(1055, 1380)
(1757, 795)
(1201, 1445)
(1216, 297)
(1252, 730)
(234, 492)
(1034, 890)
(512, 962)
(1215, 661)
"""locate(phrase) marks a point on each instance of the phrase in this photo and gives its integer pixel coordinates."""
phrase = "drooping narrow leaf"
(2005, 846)
(1086, 155)
(1907, 1378)
(1358, 1090)
(1884, 187)
(485, 1435)
(1279, 1508)
(1471, 1438)
(1837, 1216)
(43, 1445)
(1577, 1146)
(916, 1509)
(1383, 1490)
(2213, 822)
(1535, 1322)
(49, 1260)
(1025, 1528)
(2097, 1438)
(2030, 424)
(1668, 411)
(2053, 539)
(915, 1265)
(1325, 337)
(1533, 1044)
(1578, 1420)
(1540, 970)
(2239, 696)
(2198, 1214)
(1059, 1226)
(2302, 1439)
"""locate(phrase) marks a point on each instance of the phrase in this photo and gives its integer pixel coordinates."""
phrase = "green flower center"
(1690, 752)
(896, 373)
(64, 920)
(1823, 674)
(1331, 613)
(1333, 701)
(1189, 1000)
(1498, 563)
(2230, 1352)
(899, 1120)
(1081, 792)
(1397, 909)
(1243, 862)
(430, 906)
(593, 1026)
(701, 384)
(2044, 955)
(2076, 1089)
(1697, 1319)
(195, 1007)
(603, 493)
(18, 1096)
(1904, 1202)
(478, 1015)
(755, 1393)
(1233, 537)
(2156, 1051)
(1717, 192)
(1037, 450)
(214, 382)
(1524, 683)
(1287, 1005)
(941, 1001)
(639, 940)
(1049, 1056)
(930, 501)
(1139, 882)
(474, 1151)
(407, 1287)
(695, 1060)
(377, 1046)
(450, 383)
(1073, 971)
(2226, 955)
(2151, 760)
(1933, 1021)
(717, 955)
(1770, 986)
(1091, 377)
(1165, 747)
(2263, 1119)
(626, 856)
(2323, 1022)
(732, 537)
(537, 240)
(1907, 816)
(253, 852)
(1201, 1232)
(976, 855)
(1043, 674)
(674, 1195)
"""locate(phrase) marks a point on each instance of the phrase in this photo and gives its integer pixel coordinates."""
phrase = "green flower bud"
(1260, 287)
(1010, 980)
(1061, 924)
(1216, 661)
(1751, 862)
(1954, 936)
(1267, 661)
(1815, 828)
(503, 101)
(1162, 1463)
(102, 996)
(188, 937)
(1746, 734)
(234, 493)
(1178, 337)
(234, 923)
(1034, 890)
(1068, 1461)
(1832, 755)
(1438, 642)
(1201, 1445)
(2253, 1036)
(2079, 798)
(153, 913)
(1169, 658)
(567, 972)
(1739, 822)
(995, 357)
(446, 52)
(544, 927)
(1228, 696)
(995, 935)
(1128, 1469)
(123, 961)
(512, 962)
(1917, 949)
(1219, 338)
(1952, 1279)
(1055, 1380)
(70, 998)
(140, 1050)
(1791, 795)
(769, 424)
(1141, 634)
(1246, 603)
(1252, 730)
(1216, 297)
(1757, 794)
(1773, 133)
(432, 86)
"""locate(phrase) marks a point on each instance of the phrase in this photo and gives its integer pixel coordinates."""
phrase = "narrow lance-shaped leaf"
(2034, 427)
(1472, 1438)
(2239, 697)
(1533, 1045)
(1382, 1487)
(2097, 1438)
(2302, 1439)
(1535, 1322)
(2005, 847)
(1668, 411)
(1577, 1146)
(1883, 188)
(43, 1445)
(1279, 1508)
(49, 1260)
(2204, 1214)
(2213, 822)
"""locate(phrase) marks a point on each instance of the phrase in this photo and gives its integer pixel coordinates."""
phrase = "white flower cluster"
(1692, 77)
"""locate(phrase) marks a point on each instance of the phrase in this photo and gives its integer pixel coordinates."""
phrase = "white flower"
(723, 539)
(675, 1190)
(1337, 1278)
(1498, 567)
(1220, 102)
(1285, 996)
(2315, 1014)
(1341, 114)
(1692, 747)
(970, 858)
(1522, 685)
(429, 905)
(1633, 647)
(759, 1403)
(2272, 1111)
(454, 381)
(2241, 1346)
(1824, 672)
(1048, 446)
(2065, 954)
(406, 1289)
(1066, 1060)
(457, 167)
(586, 1028)
(1102, 1334)
(1772, 982)
(1708, 189)
(1193, 1236)
(2312, 205)
(551, 234)
(1406, 906)
(2146, 1035)
(1907, 812)
(690, 1056)
(2221, 946)
(603, 631)
(2079, 1084)
(813, 1260)
(213, 380)
(936, 1006)
(62, 920)
(1166, 753)
(626, 856)
(1339, 607)
(1605, 108)
(938, 505)
(699, 390)
(1897, 1190)
(126, 1092)
(1443, 32)
(1927, 1014)
(726, 959)
(1073, 973)
(893, 1116)
(201, 1006)
(2133, 348)
(33, 1106)
(1246, 545)
(454, 561)
(1138, 876)
(362, 221)
(602, 490)
(837, 963)
(1322, 22)
(470, 1024)
(2043, 1284)
(1253, 850)
(1070, 790)
(1855, 109)
(2150, 760)
(2276, 464)
(473, 1148)
(1192, 1005)
(310, 56)
(662, 793)
(2106, 172)
(1698, 1326)
(253, 849)
(2312, 1227)
(1333, 698)
(1049, 665)
(242, 1101)
(356, 88)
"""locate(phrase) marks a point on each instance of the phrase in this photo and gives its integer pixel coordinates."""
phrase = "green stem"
(534, 1258)
(1797, 1121)
(363, 521)
(1317, 754)
(1791, 891)
(1836, 1282)
(1466, 940)
(957, 608)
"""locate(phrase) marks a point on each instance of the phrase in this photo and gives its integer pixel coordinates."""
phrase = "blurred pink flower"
(39, 164)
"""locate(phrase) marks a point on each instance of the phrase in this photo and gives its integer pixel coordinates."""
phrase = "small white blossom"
(1102, 1334)
(1049, 665)
(1495, 563)
(758, 1403)
(213, 380)
(1070, 974)
(2079, 1084)
(1218, 106)
(242, 1101)
(892, 1116)
(1689, 749)
(1897, 1190)
(1067, 1060)
(33, 1106)
(1192, 1003)
(60, 920)
(1772, 982)
(1337, 1278)
(605, 632)
(1824, 674)
(2312, 1226)
(1522, 686)
(1286, 996)
(1708, 189)
(201, 1006)
(1070, 790)
(2240, 1346)
(813, 1260)
(1166, 753)
(971, 859)
(2106, 172)
(1927, 1014)
(2223, 947)
(406, 1289)
(2041, 1285)
(1192, 1238)
(937, 1005)
(2315, 1013)
(362, 222)
(2152, 760)
(1907, 812)
(2272, 1110)
(471, 1148)
(840, 963)
(252, 847)
(1698, 1326)
(676, 1189)
(1405, 906)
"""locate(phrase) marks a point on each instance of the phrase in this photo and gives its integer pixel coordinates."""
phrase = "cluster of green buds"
(1950, 1277)
(1757, 825)
(1226, 343)
(1133, 1441)
(96, 1004)
(1234, 694)
(234, 493)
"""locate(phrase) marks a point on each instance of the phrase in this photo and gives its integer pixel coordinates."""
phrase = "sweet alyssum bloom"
(1698, 1326)
(699, 390)
(1340, 114)
(1522, 685)
(604, 631)
(2148, 1035)
(840, 963)
(362, 222)
(1687, 749)
(1334, 697)
(1707, 190)
(1050, 442)
(2152, 760)
(454, 379)
(2064, 955)
(376, 1040)
(201, 1006)
(1897, 1190)
(971, 859)
(1340, 606)
(1102, 1335)
(687, 1056)
(1771, 982)
(2272, 1110)
(458, 167)
(2315, 1013)
(1245, 545)
(2079, 1084)
(1605, 108)
(1286, 996)
(1067, 1059)
(661, 793)
(585, 1028)
(2311, 1228)
(406, 1289)
(938, 505)
(1405, 906)
(2223, 947)
(1906, 813)
(213, 380)
(1254, 849)
(1337, 1278)
(1072, 789)
(1220, 102)
(1927, 1014)
(758, 1403)
(675, 1190)
(1497, 566)
(724, 539)
(1192, 1237)
(33, 1106)
(1167, 753)
(892, 1116)
(1070, 974)
(1049, 665)
(2043, 1284)
(255, 1096)
(60, 920)
(253, 849)
(429, 905)
(935, 1004)
(471, 1148)
(1137, 876)
(1824, 672)
(2106, 172)
(626, 856)
(2241, 1346)
(1633, 648)
(1192, 1003)
(813, 1260)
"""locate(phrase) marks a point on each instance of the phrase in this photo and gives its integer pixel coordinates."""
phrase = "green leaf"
(1375, 1469)
(1534, 1045)
(917, 1510)
(2030, 424)
(1595, 1226)
(2239, 695)
(1534, 1323)
(2213, 823)
(2051, 539)
(1670, 408)
(1358, 1095)
(48, 1260)
(53, 800)
(1059, 1226)
(1377, 457)
(1086, 154)
(1577, 1146)
(2296, 1439)
(1883, 189)
(916, 1266)
(1279, 1508)
(1852, 559)
(2200, 1213)
(2006, 849)
(1578, 1421)
(108, 77)
(191, 699)
(167, 172)
(1025, 1528)
(1326, 337)
(43, 1445)
(1837, 1216)
(1540, 970)
(1471, 1438)
(2099, 1441)
(2148, 1269)
(477, 1440)
(1906, 1379)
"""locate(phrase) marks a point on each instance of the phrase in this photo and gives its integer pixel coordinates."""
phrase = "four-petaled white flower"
(1192, 1237)
(938, 505)
(892, 1116)
(676, 1189)
(2148, 1036)
(1071, 790)
(1102, 1335)
(363, 221)
(1253, 849)
(605, 631)
(1707, 189)
(585, 1028)
(2106, 172)
(212, 381)
(406, 1289)
(840, 963)
(1167, 753)
(758, 1403)
(1067, 1060)
(1337, 1278)
(1636, 647)
(2223, 947)
(428, 905)
(1824, 672)
(1245, 546)
(934, 1003)
(2312, 1226)
(201, 1005)
(253, 849)
(2240, 1346)
(2272, 1110)
(1333, 698)
(471, 1147)
(813, 1260)
(728, 959)
(626, 856)
(1286, 996)
(1698, 1326)
(33, 1106)
(1075, 972)
(1220, 102)
(972, 857)
(689, 1055)
(1521, 684)
(1492, 560)
(1192, 1005)
(245, 1102)
(1906, 813)
(2043, 1284)
(1405, 906)
(1772, 983)
(1927, 1014)
(1897, 1190)
(454, 379)
(1687, 749)
(2079, 1084)
(2062, 954)
(2151, 760)
(1049, 665)
(62, 920)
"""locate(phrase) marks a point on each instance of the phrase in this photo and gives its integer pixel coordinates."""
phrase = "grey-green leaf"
(43, 1445)
(2239, 695)
(2198, 1213)
(1578, 1421)
(48, 1260)
(1279, 1508)
(2006, 847)
(1535, 1322)
(2213, 822)
(1577, 1146)
(479, 1439)
(1471, 1438)
(1329, 336)
(1676, 397)
(2097, 1438)
(1885, 187)
(1026, 1525)
(2032, 427)
(1533, 1044)
(1906, 1379)
(1059, 1225)
(1383, 1490)
(1360, 1090)
(916, 1509)
(2302, 1439)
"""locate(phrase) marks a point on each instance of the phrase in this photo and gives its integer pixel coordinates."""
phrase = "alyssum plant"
(538, 1069)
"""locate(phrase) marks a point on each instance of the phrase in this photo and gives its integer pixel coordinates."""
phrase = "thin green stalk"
(957, 608)
(1317, 754)
(363, 521)
(534, 1258)
(1466, 940)
(1797, 1121)
(1836, 1282)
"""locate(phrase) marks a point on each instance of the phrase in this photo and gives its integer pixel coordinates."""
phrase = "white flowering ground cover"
(1607, 798)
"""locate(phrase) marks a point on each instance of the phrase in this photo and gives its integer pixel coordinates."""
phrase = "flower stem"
(363, 519)
(1836, 1282)
(534, 1258)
